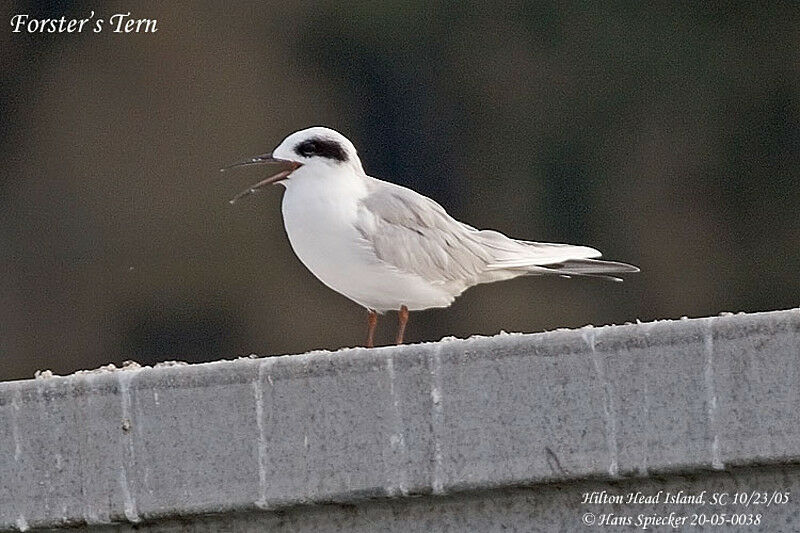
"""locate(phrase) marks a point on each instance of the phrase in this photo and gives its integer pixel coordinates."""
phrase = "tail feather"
(545, 258)
(509, 254)
(594, 268)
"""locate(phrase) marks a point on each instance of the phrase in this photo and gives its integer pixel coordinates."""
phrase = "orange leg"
(402, 320)
(372, 321)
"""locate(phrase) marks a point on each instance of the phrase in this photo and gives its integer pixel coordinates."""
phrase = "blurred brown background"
(665, 134)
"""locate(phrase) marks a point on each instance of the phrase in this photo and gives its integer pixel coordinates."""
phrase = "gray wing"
(414, 234)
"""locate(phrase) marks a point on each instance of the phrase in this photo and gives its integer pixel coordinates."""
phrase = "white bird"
(387, 247)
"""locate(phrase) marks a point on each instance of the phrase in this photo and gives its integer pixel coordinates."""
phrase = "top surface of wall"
(439, 418)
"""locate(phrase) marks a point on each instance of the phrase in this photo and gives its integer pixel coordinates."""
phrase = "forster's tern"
(387, 247)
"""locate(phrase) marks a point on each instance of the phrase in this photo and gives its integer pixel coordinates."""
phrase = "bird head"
(316, 149)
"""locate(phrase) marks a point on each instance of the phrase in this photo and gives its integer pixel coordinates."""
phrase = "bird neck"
(332, 182)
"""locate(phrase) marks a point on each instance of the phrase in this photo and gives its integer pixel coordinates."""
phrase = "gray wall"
(462, 434)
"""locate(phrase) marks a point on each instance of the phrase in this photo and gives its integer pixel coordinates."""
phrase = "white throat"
(322, 181)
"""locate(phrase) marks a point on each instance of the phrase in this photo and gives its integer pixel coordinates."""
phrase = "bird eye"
(324, 148)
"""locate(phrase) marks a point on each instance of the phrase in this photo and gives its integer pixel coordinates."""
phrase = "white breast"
(319, 213)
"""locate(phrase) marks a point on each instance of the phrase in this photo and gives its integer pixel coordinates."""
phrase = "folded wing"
(414, 234)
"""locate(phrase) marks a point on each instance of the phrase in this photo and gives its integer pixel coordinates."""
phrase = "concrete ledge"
(544, 508)
(434, 419)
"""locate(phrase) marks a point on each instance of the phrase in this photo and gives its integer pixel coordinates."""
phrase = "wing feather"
(414, 234)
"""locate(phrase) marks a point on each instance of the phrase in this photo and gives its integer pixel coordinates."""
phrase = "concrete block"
(418, 428)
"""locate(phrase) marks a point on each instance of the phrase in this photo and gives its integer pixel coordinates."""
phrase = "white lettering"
(20, 19)
(120, 17)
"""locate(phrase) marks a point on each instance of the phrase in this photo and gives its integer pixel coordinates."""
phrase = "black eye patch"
(322, 148)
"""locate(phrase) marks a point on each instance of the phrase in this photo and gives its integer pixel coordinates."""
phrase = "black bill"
(284, 168)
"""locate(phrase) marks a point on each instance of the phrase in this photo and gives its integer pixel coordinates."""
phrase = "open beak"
(283, 166)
